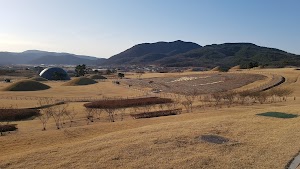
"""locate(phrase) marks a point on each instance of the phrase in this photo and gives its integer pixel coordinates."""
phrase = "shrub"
(7, 127)
(123, 103)
(156, 113)
(17, 114)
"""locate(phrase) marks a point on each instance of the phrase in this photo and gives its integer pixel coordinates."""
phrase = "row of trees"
(114, 111)
(230, 98)
(113, 108)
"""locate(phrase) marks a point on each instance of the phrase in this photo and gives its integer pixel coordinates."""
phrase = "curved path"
(295, 163)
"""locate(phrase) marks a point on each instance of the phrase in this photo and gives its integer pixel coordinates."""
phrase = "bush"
(123, 103)
(156, 113)
(17, 114)
(7, 127)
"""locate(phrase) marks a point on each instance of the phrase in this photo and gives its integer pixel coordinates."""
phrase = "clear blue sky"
(106, 27)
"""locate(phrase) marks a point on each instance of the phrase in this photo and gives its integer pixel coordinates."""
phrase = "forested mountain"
(180, 54)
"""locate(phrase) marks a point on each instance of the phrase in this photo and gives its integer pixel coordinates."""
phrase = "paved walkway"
(296, 163)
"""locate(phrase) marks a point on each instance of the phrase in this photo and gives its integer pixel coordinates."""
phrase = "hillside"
(180, 54)
(44, 57)
(148, 53)
(231, 54)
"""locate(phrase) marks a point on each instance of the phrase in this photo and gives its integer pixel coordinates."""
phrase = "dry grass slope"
(251, 141)
(26, 85)
(80, 81)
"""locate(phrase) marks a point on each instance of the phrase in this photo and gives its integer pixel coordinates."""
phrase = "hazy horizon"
(104, 28)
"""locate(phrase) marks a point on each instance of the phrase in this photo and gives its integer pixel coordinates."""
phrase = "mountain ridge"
(168, 54)
(45, 57)
(225, 55)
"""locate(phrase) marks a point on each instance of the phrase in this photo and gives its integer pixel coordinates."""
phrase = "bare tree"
(186, 105)
(111, 113)
(122, 112)
(71, 115)
(56, 115)
(229, 96)
(161, 106)
(189, 101)
(89, 115)
(44, 118)
(217, 97)
(46, 109)
(169, 106)
(98, 113)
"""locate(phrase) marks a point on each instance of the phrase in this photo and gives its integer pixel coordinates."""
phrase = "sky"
(103, 28)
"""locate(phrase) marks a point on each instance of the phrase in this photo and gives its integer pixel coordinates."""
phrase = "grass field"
(162, 142)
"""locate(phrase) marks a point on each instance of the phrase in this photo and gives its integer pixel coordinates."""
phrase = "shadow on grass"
(278, 115)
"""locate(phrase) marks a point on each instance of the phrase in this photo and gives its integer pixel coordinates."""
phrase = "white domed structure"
(55, 73)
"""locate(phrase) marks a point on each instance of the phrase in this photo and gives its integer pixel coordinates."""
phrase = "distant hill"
(148, 53)
(181, 54)
(44, 57)
(231, 54)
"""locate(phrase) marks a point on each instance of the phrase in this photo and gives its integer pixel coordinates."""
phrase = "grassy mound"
(26, 85)
(278, 115)
(80, 81)
(97, 77)
(38, 78)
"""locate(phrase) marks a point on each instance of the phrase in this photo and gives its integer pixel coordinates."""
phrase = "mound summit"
(38, 78)
(26, 85)
(97, 77)
(80, 81)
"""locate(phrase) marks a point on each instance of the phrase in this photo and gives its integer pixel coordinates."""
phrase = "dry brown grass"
(164, 142)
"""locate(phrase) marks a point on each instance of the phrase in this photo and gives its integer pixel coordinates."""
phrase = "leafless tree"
(71, 115)
(57, 115)
(44, 118)
(98, 113)
(122, 112)
(161, 106)
(186, 105)
(229, 97)
(169, 106)
(47, 110)
(218, 98)
(111, 113)
(90, 112)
